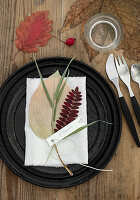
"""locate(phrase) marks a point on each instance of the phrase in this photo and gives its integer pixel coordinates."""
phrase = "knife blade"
(110, 68)
(113, 76)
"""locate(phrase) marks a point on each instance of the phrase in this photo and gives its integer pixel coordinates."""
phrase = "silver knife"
(113, 76)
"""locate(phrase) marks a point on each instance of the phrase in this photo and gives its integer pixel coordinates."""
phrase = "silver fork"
(124, 74)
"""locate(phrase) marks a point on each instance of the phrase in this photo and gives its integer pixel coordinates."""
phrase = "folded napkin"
(73, 149)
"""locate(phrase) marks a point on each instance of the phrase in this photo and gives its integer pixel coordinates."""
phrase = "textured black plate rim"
(108, 158)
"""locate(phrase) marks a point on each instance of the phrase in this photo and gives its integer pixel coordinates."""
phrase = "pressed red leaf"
(74, 111)
(77, 104)
(70, 108)
(62, 119)
(58, 126)
(65, 111)
(33, 32)
(67, 104)
(67, 122)
(70, 119)
(78, 99)
(71, 93)
(74, 107)
(70, 97)
(68, 100)
(76, 89)
(65, 107)
(63, 115)
(73, 115)
(60, 122)
(78, 93)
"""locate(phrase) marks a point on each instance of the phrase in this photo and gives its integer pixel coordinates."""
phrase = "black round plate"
(102, 139)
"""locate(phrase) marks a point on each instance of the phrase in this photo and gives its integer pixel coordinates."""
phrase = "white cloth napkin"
(73, 149)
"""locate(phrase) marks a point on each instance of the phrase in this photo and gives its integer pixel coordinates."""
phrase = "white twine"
(105, 170)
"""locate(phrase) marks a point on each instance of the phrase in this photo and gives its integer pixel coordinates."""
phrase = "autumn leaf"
(70, 109)
(80, 11)
(128, 12)
(33, 32)
(40, 109)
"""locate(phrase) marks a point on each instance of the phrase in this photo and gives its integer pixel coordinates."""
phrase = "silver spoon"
(135, 73)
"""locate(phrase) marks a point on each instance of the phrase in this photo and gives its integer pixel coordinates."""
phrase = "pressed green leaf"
(83, 127)
(43, 84)
(49, 153)
(61, 80)
(59, 96)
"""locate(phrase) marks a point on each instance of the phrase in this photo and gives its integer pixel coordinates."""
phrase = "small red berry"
(70, 41)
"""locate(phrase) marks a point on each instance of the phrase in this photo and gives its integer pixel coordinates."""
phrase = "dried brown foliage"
(128, 12)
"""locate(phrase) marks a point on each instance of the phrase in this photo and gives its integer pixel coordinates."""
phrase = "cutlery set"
(116, 68)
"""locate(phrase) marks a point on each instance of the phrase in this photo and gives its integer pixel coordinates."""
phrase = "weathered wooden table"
(121, 184)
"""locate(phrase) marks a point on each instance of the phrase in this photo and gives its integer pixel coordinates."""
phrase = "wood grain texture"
(121, 184)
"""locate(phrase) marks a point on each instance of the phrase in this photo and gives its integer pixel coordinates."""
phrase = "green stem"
(53, 118)
(59, 96)
(49, 154)
(85, 126)
(43, 84)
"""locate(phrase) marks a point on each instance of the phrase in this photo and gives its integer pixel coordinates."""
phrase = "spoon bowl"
(135, 73)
